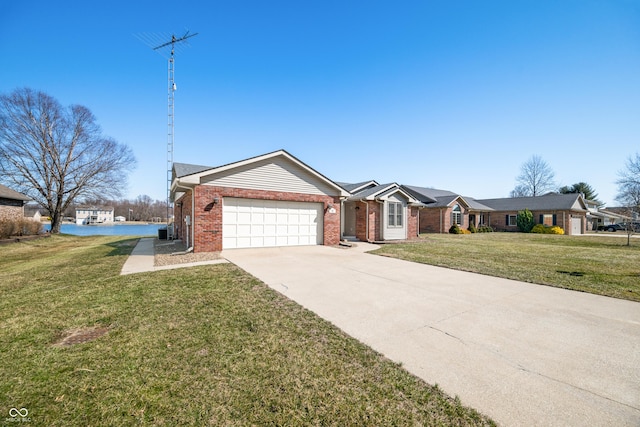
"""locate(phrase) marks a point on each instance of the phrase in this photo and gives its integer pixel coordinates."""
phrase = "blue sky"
(454, 95)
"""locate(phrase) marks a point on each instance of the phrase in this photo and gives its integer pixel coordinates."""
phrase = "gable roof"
(357, 187)
(382, 192)
(191, 175)
(184, 169)
(548, 202)
(7, 193)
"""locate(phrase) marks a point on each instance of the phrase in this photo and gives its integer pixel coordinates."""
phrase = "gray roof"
(369, 191)
(350, 187)
(427, 194)
(476, 205)
(547, 202)
(184, 169)
(7, 193)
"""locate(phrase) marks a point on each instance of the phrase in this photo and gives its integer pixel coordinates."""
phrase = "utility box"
(162, 233)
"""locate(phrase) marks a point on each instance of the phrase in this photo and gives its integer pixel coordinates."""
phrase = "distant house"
(568, 211)
(442, 209)
(120, 218)
(87, 215)
(12, 203)
(32, 211)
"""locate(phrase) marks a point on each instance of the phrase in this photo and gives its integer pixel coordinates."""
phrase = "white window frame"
(513, 220)
(456, 215)
(395, 213)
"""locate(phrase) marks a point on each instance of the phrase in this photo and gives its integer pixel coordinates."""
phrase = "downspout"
(193, 210)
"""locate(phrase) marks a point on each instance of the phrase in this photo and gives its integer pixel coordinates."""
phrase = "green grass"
(602, 265)
(208, 345)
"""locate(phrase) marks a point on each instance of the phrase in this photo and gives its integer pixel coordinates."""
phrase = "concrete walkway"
(142, 258)
(523, 354)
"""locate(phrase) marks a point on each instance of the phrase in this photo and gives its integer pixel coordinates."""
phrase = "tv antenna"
(170, 119)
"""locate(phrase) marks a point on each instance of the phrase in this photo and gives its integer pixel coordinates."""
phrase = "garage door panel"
(263, 223)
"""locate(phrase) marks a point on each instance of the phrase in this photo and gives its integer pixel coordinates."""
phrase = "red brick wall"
(563, 220)
(11, 209)
(412, 223)
(374, 222)
(207, 216)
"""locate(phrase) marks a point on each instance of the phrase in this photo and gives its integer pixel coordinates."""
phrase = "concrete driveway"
(523, 354)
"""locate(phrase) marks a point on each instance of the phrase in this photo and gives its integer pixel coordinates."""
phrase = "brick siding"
(207, 216)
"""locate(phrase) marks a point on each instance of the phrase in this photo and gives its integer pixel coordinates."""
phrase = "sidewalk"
(142, 258)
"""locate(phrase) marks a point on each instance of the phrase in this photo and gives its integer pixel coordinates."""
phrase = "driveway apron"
(523, 354)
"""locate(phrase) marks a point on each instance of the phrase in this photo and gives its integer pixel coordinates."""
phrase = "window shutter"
(541, 219)
(506, 220)
(554, 220)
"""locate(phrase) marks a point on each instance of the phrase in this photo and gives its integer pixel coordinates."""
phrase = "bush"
(544, 229)
(472, 228)
(525, 221)
(455, 229)
(19, 227)
(484, 229)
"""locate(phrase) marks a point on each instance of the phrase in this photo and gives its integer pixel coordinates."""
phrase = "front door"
(349, 219)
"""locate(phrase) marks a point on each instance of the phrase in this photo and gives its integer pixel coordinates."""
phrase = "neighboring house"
(87, 215)
(568, 211)
(12, 203)
(442, 209)
(601, 217)
(269, 200)
(32, 211)
(120, 218)
(277, 200)
(375, 212)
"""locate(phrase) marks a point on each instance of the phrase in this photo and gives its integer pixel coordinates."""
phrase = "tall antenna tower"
(171, 89)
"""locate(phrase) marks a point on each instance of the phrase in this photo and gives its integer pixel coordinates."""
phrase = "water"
(111, 229)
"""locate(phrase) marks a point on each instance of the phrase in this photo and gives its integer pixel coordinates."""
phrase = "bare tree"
(629, 191)
(535, 179)
(55, 154)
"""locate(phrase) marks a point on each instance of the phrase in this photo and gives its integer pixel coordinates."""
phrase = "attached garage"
(265, 201)
(255, 223)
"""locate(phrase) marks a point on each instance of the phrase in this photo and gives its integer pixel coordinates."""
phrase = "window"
(456, 215)
(395, 214)
(512, 220)
(548, 219)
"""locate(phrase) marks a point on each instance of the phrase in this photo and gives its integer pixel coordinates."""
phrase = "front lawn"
(207, 345)
(601, 265)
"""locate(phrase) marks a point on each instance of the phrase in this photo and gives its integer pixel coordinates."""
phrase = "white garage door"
(576, 226)
(252, 223)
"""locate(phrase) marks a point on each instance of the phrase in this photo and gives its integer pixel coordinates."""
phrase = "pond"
(142, 229)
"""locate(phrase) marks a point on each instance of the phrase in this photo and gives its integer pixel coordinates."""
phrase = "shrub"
(31, 227)
(19, 227)
(556, 230)
(472, 228)
(484, 229)
(455, 229)
(525, 221)
(544, 229)
(7, 228)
